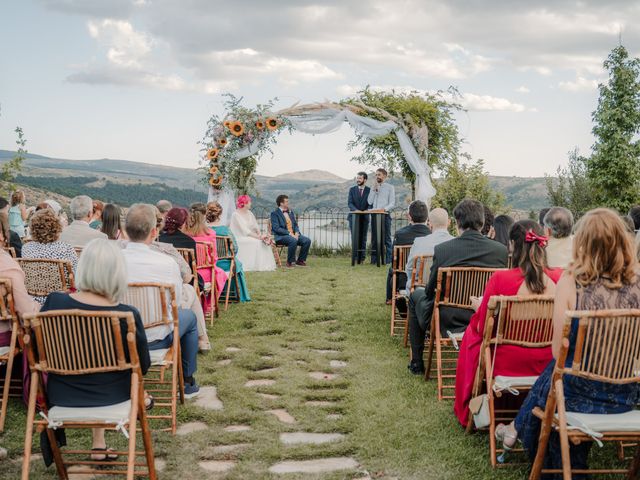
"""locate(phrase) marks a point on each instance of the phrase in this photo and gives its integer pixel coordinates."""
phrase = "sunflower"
(213, 170)
(226, 123)
(212, 154)
(236, 128)
(272, 123)
(260, 125)
(222, 142)
(216, 181)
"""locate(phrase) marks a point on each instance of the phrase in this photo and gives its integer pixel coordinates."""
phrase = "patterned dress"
(51, 251)
(581, 395)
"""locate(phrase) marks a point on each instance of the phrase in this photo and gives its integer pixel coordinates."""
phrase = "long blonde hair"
(196, 221)
(602, 249)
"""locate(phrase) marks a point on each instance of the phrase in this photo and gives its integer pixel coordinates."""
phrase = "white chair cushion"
(403, 292)
(118, 413)
(157, 356)
(4, 350)
(612, 422)
(503, 382)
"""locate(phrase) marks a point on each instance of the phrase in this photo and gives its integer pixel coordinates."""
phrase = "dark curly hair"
(45, 226)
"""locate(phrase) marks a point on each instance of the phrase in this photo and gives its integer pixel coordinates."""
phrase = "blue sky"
(137, 79)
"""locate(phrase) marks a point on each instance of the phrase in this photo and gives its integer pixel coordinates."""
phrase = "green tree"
(613, 169)
(572, 188)
(13, 167)
(462, 180)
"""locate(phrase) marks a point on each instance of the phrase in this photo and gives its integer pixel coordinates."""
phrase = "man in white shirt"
(558, 224)
(146, 265)
(79, 233)
(382, 197)
(439, 224)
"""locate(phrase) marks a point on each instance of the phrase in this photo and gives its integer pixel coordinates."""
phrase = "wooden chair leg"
(28, 435)
(492, 430)
(7, 380)
(405, 340)
(543, 442)
(57, 455)
(564, 438)
(438, 342)
(635, 464)
(135, 406)
(427, 371)
(146, 438)
(229, 280)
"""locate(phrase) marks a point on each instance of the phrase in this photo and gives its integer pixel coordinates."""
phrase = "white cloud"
(580, 84)
(126, 47)
(523, 89)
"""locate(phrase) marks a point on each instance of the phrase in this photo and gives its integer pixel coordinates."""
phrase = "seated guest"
(417, 227)
(45, 234)
(13, 238)
(254, 247)
(164, 206)
(111, 222)
(634, 213)
(500, 231)
(603, 275)
(439, 224)
(214, 214)
(102, 283)
(558, 223)
(196, 227)
(18, 213)
(10, 269)
(488, 221)
(79, 233)
(96, 217)
(470, 249)
(285, 230)
(145, 265)
(531, 276)
(541, 215)
(172, 231)
(57, 209)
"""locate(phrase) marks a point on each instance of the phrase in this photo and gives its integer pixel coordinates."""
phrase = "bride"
(254, 247)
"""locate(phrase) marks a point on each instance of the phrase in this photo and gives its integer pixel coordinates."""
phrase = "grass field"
(300, 320)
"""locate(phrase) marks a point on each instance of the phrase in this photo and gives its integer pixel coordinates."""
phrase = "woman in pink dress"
(196, 228)
(531, 276)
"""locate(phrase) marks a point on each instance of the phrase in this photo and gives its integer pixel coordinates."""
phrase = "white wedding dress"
(253, 253)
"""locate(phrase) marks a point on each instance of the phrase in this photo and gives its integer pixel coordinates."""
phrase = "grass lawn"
(300, 320)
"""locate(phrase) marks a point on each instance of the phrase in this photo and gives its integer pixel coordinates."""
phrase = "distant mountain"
(311, 175)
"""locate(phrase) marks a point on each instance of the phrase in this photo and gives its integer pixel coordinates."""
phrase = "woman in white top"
(254, 247)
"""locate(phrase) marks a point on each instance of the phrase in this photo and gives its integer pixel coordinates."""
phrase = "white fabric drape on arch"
(329, 120)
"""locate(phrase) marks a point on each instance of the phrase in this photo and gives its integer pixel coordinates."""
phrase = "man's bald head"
(439, 219)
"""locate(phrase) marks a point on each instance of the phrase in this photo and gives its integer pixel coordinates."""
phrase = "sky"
(138, 79)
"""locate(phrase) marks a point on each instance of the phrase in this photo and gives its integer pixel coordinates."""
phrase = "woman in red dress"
(531, 276)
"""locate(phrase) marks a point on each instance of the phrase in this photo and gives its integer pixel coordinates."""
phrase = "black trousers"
(386, 240)
(364, 227)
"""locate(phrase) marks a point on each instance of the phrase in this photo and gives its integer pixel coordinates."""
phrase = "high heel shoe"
(507, 439)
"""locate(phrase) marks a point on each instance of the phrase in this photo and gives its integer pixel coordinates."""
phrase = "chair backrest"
(525, 320)
(7, 310)
(43, 276)
(607, 346)
(205, 254)
(224, 247)
(78, 250)
(156, 302)
(399, 261)
(11, 251)
(420, 269)
(189, 255)
(78, 342)
(456, 285)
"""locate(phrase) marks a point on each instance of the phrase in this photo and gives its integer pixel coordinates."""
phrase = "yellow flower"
(212, 154)
(213, 170)
(236, 128)
(272, 123)
(222, 142)
(260, 125)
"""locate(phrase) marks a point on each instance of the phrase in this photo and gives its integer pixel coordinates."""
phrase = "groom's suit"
(283, 236)
(359, 200)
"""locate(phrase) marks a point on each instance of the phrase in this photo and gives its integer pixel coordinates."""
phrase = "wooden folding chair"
(455, 287)
(7, 354)
(157, 305)
(277, 249)
(11, 251)
(607, 349)
(205, 255)
(76, 342)
(419, 276)
(43, 276)
(224, 248)
(523, 321)
(398, 266)
(189, 255)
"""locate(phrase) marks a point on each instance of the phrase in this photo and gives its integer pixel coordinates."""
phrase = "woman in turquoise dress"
(214, 213)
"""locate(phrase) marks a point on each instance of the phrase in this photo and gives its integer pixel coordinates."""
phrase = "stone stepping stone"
(160, 464)
(269, 396)
(267, 370)
(226, 361)
(208, 399)
(267, 357)
(223, 449)
(301, 362)
(326, 352)
(260, 383)
(282, 415)
(191, 427)
(337, 364)
(320, 465)
(298, 438)
(217, 466)
(237, 428)
(320, 403)
(323, 376)
(334, 416)
(3, 453)
(232, 349)
(79, 476)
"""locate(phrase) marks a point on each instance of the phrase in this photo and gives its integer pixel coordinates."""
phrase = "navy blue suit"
(283, 237)
(356, 201)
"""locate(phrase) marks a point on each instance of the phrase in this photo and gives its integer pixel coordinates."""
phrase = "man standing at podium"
(359, 201)
(382, 197)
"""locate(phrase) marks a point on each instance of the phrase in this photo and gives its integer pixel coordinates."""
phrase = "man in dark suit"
(469, 249)
(418, 213)
(358, 201)
(285, 230)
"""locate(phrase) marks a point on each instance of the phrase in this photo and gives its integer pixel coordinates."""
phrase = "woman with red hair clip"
(254, 247)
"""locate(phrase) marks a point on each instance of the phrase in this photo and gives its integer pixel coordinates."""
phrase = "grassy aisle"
(298, 323)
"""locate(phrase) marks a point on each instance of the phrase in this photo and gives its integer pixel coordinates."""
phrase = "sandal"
(204, 347)
(149, 401)
(507, 439)
(106, 457)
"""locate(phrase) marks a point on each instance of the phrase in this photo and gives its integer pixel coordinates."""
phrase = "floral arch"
(233, 143)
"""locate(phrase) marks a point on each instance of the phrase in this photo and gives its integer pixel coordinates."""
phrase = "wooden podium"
(379, 234)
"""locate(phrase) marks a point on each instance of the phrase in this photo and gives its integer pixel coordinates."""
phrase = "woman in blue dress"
(214, 214)
(604, 275)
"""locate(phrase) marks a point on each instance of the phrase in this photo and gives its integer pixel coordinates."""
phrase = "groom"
(284, 228)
